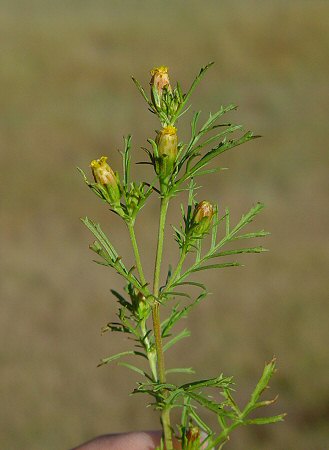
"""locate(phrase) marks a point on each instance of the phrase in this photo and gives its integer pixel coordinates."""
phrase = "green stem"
(177, 271)
(151, 355)
(158, 342)
(136, 252)
(162, 222)
(165, 414)
(224, 436)
(165, 420)
(130, 279)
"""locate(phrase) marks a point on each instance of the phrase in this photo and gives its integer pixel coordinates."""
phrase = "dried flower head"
(202, 217)
(192, 434)
(160, 79)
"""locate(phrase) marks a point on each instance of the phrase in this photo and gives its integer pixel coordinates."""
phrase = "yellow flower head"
(103, 174)
(167, 142)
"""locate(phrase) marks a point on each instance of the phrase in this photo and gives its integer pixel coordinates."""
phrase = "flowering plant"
(203, 233)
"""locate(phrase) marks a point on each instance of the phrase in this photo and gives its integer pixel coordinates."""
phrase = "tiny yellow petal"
(161, 70)
(169, 130)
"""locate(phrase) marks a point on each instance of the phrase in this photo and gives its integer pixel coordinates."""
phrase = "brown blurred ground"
(65, 98)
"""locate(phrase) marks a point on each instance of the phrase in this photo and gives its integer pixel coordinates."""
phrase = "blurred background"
(66, 97)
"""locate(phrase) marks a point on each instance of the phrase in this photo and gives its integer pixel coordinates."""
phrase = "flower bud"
(160, 79)
(202, 217)
(139, 303)
(104, 175)
(167, 150)
(192, 434)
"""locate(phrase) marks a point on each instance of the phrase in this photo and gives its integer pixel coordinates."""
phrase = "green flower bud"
(104, 175)
(202, 217)
(167, 149)
(139, 303)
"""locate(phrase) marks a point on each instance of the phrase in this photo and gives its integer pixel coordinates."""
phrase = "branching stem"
(175, 164)
(150, 354)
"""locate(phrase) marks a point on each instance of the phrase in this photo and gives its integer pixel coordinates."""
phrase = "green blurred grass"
(66, 97)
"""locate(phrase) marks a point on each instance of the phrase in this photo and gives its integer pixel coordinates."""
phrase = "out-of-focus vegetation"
(66, 97)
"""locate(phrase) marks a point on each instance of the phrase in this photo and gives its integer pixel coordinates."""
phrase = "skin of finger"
(146, 440)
